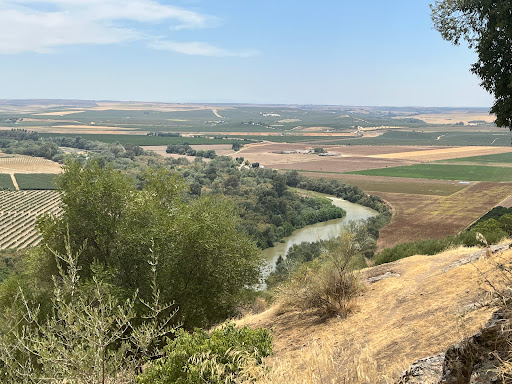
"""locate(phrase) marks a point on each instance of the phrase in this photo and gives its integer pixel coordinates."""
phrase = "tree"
(486, 25)
(206, 264)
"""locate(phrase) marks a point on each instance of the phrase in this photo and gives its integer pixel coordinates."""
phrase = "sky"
(337, 52)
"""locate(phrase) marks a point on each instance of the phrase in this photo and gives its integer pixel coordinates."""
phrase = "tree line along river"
(319, 231)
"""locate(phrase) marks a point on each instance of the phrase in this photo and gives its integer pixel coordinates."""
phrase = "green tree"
(207, 265)
(486, 25)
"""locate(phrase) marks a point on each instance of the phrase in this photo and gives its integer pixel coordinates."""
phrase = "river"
(319, 231)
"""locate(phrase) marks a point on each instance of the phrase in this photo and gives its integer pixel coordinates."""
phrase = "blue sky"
(280, 51)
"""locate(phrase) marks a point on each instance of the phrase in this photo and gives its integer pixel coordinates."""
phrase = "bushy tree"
(206, 263)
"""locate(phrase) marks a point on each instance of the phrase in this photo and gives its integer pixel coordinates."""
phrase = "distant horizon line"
(49, 100)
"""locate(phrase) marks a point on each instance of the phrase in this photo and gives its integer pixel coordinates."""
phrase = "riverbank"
(320, 231)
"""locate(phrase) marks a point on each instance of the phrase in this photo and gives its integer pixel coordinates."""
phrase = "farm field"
(355, 158)
(372, 184)
(35, 181)
(6, 182)
(427, 216)
(27, 164)
(445, 172)
(498, 158)
(18, 213)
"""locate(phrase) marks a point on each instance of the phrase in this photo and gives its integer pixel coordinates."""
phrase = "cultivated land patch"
(428, 216)
(445, 172)
(372, 184)
(454, 117)
(499, 158)
(347, 158)
(6, 182)
(357, 158)
(59, 113)
(83, 130)
(18, 213)
(27, 164)
(443, 153)
(35, 181)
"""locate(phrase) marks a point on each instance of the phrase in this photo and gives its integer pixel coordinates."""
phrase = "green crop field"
(498, 158)
(444, 172)
(30, 181)
(18, 213)
(6, 182)
(429, 138)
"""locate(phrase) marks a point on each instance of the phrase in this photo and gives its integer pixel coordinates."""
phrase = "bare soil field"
(220, 149)
(331, 164)
(428, 216)
(444, 153)
(27, 164)
(356, 158)
(373, 184)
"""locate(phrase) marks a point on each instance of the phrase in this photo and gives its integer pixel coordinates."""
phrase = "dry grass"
(454, 117)
(397, 321)
(60, 113)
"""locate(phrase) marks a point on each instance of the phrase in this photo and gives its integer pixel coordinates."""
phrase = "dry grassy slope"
(394, 322)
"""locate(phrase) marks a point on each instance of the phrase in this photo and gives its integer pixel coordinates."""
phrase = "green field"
(444, 172)
(498, 158)
(436, 188)
(429, 138)
(35, 180)
(232, 119)
(6, 182)
(149, 140)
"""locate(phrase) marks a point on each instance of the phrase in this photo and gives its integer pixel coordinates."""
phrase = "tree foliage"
(206, 263)
(90, 336)
(486, 25)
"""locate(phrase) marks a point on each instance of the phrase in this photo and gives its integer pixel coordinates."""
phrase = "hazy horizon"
(192, 51)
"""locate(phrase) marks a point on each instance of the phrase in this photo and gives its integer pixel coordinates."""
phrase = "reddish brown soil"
(424, 217)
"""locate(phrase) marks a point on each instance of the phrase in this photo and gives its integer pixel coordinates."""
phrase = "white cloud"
(198, 48)
(43, 25)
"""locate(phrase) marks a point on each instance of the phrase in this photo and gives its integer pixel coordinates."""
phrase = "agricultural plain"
(428, 163)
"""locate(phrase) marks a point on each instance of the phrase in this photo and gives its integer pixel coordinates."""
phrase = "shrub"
(226, 355)
(88, 337)
(327, 284)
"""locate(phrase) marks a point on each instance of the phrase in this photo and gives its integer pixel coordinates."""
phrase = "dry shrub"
(327, 284)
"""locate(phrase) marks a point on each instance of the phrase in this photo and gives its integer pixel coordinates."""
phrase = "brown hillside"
(426, 305)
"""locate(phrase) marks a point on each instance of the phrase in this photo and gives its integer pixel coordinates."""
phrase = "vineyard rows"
(21, 159)
(18, 213)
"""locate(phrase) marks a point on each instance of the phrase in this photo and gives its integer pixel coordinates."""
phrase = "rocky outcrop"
(474, 360)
